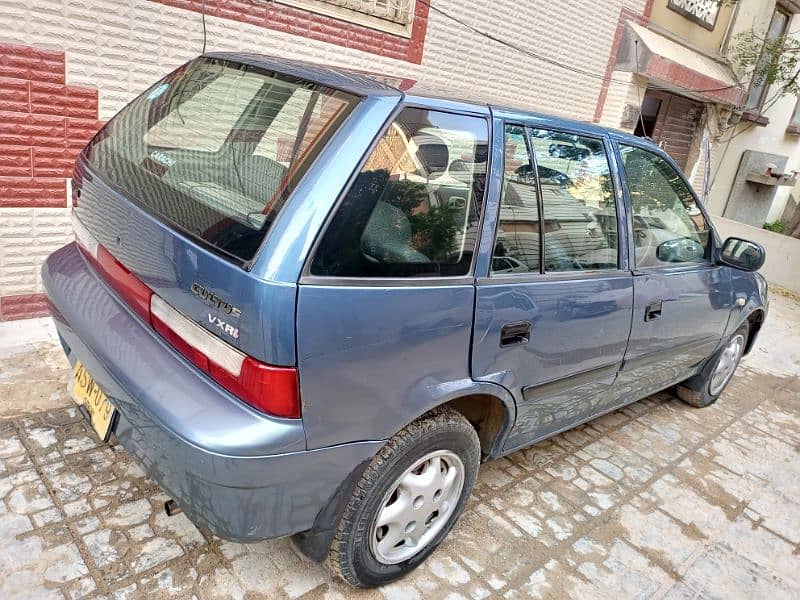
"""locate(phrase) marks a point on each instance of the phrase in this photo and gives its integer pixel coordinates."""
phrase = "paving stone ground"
(658, 500)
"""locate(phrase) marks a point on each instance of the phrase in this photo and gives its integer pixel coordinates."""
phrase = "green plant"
(776, 226)
(435, 231)
(769, 60)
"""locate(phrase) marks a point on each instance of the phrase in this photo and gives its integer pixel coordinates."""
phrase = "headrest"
(433, 152)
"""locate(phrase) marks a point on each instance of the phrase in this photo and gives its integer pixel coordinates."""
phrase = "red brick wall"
(44, 124)
(296, 21)
(23, 306)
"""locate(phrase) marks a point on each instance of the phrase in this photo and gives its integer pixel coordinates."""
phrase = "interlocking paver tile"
(655, 500)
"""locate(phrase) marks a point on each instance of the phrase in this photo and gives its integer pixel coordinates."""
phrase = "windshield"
(216, 148)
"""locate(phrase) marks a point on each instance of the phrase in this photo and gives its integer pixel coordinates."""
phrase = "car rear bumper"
(240, 474)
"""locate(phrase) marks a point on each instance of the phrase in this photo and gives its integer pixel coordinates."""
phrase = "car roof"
(365, 83)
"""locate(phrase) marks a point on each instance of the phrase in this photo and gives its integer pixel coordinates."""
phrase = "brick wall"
(43, 125)
(64, 64)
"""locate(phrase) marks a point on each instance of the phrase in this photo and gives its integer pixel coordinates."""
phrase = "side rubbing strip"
(536, 392)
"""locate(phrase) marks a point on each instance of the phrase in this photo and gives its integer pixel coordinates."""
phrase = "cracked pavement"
(657, 500)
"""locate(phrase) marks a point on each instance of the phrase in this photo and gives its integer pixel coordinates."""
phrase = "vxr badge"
(226, 328)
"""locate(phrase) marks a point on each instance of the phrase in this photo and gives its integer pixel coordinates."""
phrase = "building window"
(702, 12)
(392, 16)
(758, 86)
(396, 11)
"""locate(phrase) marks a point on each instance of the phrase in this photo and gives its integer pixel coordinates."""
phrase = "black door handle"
(653, 311)
(514, 334)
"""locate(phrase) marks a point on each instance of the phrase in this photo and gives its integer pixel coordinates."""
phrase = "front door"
(682, 300)
(552, 319)
(671, 121)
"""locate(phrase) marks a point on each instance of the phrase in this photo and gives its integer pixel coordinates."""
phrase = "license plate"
(88, 394)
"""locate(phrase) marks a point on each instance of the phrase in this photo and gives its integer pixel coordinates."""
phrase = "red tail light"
(126, 284)
(269, 389)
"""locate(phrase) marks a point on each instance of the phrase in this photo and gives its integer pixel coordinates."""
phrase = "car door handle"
(515, 334)
(653, 311)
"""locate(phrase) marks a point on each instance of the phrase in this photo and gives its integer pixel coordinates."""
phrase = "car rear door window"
(557, 185)
(414, 209)
(579, 212)
(669, 228)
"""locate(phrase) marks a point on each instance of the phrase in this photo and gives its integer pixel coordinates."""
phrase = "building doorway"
(671, 121)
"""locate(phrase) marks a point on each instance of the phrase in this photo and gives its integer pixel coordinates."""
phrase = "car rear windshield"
(216, 148)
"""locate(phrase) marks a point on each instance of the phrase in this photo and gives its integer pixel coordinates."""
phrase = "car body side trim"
(535, 392)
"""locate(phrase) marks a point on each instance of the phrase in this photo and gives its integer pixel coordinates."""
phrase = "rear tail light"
(127, 285)
(272, 390)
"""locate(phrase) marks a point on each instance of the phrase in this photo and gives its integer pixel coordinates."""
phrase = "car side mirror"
(680, 250)
(742, 254)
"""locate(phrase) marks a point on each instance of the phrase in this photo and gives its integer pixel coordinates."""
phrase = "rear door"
(553, 327)
(682, 300)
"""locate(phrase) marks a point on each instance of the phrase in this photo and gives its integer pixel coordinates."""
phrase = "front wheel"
(703, 389)
(407, 500)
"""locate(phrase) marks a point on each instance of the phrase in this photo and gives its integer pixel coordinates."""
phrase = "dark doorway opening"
(671, 122)
(647, 123)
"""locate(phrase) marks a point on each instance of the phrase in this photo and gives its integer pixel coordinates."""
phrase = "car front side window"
(669, 228)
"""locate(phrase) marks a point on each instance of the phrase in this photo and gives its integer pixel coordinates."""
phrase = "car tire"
(706, 387)
(407, 500)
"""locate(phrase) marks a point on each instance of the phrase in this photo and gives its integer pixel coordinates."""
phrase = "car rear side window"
(414, 209)
(668, 226)
(216, 148)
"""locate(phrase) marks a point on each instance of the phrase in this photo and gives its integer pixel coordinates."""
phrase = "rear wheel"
(407, 500)
(703, 389)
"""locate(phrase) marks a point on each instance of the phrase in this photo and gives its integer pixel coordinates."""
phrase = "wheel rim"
(417, 507)
(726, 364)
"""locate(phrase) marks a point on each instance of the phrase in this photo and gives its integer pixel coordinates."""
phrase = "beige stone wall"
(689, 30)
(746, 135)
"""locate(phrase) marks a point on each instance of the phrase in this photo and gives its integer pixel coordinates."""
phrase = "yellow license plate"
(88, 394)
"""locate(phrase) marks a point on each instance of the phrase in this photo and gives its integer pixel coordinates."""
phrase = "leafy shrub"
(777, 226)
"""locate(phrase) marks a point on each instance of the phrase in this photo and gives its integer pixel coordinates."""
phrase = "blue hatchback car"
(310, 303)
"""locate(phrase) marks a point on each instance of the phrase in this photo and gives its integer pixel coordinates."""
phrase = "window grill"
(396, 11)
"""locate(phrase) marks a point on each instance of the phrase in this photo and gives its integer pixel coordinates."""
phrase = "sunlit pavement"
(655, 500)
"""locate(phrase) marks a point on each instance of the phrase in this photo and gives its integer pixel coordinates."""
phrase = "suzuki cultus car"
(311, 304)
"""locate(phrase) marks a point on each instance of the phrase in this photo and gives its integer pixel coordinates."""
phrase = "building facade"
(67, 66)
(737, 138)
